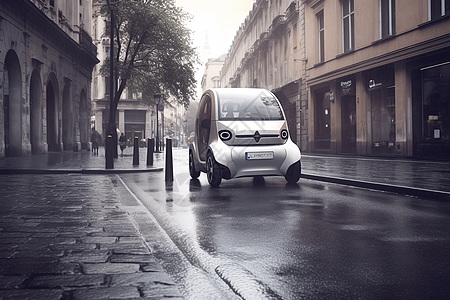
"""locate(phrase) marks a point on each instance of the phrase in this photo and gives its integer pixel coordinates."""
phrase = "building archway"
(67, 120)
(84, 120)
(52, 114)
(36, 130)
(12, 103)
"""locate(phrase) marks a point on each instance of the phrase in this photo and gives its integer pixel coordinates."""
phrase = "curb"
(78, 171)
(435, 195)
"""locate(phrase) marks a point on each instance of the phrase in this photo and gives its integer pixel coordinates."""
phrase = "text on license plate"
(258, 155)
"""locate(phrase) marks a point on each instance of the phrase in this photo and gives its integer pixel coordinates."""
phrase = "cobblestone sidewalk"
(68, 237)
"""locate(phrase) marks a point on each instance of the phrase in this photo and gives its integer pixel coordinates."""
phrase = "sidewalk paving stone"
(67, 281)
(117, 292)
(110, 268)
(35, 294)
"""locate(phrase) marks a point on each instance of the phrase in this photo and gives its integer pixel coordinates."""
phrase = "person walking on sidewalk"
(122, 141)
(95, 139)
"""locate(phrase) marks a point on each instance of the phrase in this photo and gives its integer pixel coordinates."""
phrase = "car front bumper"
(267, 160)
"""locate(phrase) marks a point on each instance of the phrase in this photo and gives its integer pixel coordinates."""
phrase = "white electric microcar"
(242, 132)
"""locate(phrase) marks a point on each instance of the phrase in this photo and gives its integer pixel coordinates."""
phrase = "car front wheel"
(293, 173)
(194, 174)
(213, 171)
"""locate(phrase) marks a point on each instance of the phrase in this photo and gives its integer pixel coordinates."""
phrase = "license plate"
(258, 155)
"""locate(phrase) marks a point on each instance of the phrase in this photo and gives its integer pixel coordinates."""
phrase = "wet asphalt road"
(312, 240)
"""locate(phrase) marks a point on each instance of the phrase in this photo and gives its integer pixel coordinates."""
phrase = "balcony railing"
(86, 43)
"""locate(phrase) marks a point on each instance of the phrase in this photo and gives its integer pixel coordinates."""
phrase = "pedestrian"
(122, 141)
(95, 140)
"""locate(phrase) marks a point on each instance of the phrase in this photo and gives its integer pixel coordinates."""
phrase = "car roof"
(250, 92)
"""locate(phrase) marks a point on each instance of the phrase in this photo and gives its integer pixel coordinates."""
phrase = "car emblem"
(257, 136)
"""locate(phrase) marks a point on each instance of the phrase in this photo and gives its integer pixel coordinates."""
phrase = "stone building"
(268, 52)
(47, 56)
(211, 76)
(379, 77)
(355, 77)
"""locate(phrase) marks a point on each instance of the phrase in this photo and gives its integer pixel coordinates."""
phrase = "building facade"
(355, 77)
(268, 51)
(47, 56)
(379, 77)
(211, 75)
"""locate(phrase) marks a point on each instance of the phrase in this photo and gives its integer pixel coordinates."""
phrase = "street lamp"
(157, 101)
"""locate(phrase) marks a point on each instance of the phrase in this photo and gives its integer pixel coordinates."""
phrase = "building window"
(294, 37)
(321, 37)
(348, 19)
(387, 18)
(438, 8)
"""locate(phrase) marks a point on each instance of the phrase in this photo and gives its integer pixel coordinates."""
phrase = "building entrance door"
(322, 121)
(348, 124)
(383, 121)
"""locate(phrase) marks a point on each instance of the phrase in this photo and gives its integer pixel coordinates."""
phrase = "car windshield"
(249, 106)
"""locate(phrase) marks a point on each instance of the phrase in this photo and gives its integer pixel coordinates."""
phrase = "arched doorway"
(36, 135)
(52, 114)
(67, 120)
(84, 120)
(12, 103)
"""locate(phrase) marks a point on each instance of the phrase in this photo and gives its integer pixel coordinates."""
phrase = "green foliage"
(153, 50)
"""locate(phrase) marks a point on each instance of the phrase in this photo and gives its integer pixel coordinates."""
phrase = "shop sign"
(135, 116)
(437, 134)
(373, 84)
(347, 87)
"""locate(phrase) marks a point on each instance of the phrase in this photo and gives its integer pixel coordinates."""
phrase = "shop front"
(431, 105)
(348, 114)
(380, 85)
(400, 109)
(135, 124)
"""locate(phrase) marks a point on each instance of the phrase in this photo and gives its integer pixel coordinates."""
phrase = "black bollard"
(169, 161)
(136, 151)
(150, 145)
(109, 152)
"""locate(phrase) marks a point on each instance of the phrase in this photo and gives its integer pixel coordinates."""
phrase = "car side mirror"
(206, 123)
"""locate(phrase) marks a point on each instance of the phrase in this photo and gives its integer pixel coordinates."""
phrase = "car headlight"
(225, 135)
(284, 134)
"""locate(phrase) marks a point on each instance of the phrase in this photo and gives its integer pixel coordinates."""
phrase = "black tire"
(293, 173)
(194, 174)
(213, 171)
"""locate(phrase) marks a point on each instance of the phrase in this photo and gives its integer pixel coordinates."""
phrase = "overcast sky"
(220, 19)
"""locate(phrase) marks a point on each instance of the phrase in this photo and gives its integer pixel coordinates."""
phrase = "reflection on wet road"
(310, 240)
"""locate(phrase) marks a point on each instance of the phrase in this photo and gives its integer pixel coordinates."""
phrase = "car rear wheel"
(194, 174)
(293, 173)
(213, 171)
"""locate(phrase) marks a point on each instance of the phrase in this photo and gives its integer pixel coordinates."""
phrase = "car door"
(202, 131)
